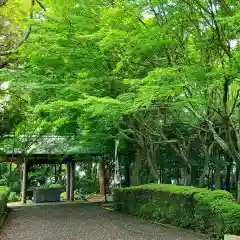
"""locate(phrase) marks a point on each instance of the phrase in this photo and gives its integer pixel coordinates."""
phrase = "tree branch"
(235, 102)
(141, 21)
(216, 136)
(25, 38)
(3, 2)
(3, 64)
(41, 5)
(7, 53)
(196, 127)
(225, 7)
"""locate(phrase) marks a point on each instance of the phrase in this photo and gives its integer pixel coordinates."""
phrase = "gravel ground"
(84, 221)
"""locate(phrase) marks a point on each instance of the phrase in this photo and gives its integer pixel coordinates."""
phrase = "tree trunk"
(137, 166)
(217, 181)
(153, 169)
(181, 180)
(166, 178)
(107, 177)
(60, 173)
(95, 174)
(204, 172)
(161, 171)
(229, 170)
(127, 174)
(188, 176)
(185, 176)
(238, 181)
(102, 178)
(194, 181)
(55, 173)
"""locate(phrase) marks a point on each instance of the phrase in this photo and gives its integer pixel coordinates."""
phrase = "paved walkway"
(83, 221)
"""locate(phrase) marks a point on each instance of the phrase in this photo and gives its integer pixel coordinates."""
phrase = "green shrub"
(3, 181)
(16, 187)
(3, 188)
(63, 195)
(14, 197)
(4, 193)
(207, 211)
(88, 186)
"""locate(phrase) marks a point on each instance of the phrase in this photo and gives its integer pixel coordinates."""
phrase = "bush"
(63, 195)
(206, 211)
(3, 181)
(3, 193)
(14, 197)
(3, 201)
(88, 186)
(16, 187)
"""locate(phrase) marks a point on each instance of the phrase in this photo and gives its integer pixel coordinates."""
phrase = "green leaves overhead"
(162, 74)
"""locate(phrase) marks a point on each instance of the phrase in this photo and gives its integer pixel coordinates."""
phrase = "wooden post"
(102, 178)
(68, 181)
(24, 181)
(72, 180)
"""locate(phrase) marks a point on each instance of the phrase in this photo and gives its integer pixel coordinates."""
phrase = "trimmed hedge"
(213, 212)
(3, 203)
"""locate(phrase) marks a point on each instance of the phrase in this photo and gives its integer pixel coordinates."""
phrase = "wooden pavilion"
(51, 154)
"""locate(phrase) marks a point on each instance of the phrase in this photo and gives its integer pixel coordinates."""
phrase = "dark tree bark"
(3, 2)
(238, 182)
(60, 173)
(55, 173)
(194, 181)
(228, 182)
(217, 181)
(102, 178)
(127, 174)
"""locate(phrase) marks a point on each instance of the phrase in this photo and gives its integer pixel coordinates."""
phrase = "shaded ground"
(100, 198)
(83, 221)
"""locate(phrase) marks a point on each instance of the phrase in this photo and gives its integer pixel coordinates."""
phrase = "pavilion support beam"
(68, 171)
(102, 178)
(24, 181)
(72, 180)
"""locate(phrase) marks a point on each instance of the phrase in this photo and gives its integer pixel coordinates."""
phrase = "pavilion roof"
(47, 144)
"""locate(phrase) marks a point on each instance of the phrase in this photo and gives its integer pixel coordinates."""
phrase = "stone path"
(84, 221)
